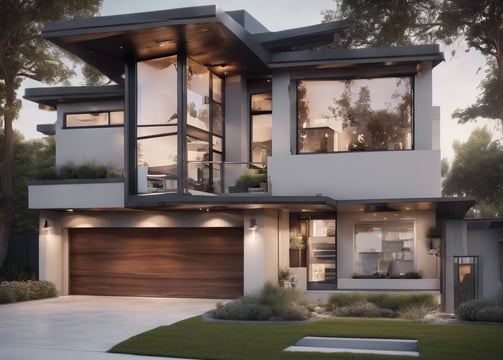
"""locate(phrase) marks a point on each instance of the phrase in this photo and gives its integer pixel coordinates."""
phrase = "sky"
(455, 81)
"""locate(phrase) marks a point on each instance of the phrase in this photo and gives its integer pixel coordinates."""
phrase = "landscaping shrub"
(15, 291)
(480, 310)
(238, 310)
(382, 305)
(416, 312)
(270, 302)
(17, 272)
(397, 302)
(346, 299)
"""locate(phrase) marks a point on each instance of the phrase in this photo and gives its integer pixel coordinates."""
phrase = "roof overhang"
(230, 202)
(337, 58)
(484, 223)
(446, 208)
(49, 97)
(205, 33)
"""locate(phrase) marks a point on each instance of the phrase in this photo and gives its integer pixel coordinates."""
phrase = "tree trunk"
(499, 51)
(7, 165)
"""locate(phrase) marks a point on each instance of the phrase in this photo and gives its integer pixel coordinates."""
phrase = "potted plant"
(285, 278)
(252, 180)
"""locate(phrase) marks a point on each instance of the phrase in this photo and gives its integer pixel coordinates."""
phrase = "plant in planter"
(251, 179)
(296, 249)
(285, 278)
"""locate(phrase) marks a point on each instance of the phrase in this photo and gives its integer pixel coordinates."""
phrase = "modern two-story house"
(243, 152)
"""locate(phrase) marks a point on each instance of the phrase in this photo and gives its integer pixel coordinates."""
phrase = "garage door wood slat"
(204, 263)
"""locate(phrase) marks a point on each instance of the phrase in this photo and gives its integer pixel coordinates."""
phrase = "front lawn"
(194, 338)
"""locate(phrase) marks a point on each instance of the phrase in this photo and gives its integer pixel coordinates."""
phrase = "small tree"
(25, 54)
(477, 170)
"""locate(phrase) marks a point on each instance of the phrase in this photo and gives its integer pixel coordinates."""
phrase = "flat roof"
(227, 43)
(52, 96)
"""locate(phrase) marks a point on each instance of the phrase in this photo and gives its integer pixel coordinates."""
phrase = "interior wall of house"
(102, 145)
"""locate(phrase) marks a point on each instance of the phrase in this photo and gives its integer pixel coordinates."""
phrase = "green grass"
(193, 338)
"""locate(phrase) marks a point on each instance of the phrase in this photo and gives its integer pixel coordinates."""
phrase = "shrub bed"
(410, 306)
(14, 291)
(89, 170)
(270, 303)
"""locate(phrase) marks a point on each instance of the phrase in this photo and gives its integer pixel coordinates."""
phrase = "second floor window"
(354, 115)
(94, 119)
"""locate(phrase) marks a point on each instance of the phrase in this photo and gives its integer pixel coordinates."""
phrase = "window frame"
(297, 79)
(108, 112)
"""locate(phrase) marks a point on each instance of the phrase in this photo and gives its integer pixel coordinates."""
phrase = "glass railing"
(227, 177)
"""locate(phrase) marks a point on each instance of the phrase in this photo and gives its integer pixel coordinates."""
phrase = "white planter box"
(78, 194)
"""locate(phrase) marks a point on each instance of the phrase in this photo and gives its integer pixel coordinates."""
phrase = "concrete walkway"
(85, 327)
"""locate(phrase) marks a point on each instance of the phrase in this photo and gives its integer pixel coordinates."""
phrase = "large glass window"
(384, 249)
(261, 119)
(159, 137)
(157, 121)
(354, 115)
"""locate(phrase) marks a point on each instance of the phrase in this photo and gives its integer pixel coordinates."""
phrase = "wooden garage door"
(203, 263)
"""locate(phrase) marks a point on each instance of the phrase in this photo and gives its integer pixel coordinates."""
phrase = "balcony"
(207, 178)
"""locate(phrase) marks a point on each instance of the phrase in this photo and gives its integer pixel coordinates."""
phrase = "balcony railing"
(206, 178)
(227, 177)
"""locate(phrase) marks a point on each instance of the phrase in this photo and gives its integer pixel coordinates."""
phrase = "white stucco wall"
(358, 175)
(261, 249)
(102, 145)
(486, 245)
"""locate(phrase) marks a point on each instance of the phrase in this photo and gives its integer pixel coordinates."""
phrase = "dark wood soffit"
(211, 44)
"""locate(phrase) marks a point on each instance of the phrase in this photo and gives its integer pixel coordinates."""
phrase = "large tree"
(477, 169)
(405, 22)
(25, 54)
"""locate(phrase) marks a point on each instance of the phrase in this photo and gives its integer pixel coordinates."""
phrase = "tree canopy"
(477, 170)
(406, 22)
(25, 54)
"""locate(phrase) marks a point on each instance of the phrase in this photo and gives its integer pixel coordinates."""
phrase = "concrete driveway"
(85, 327)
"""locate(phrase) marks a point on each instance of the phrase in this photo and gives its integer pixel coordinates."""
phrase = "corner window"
(94, 119)
(384, 249)
(354, 115)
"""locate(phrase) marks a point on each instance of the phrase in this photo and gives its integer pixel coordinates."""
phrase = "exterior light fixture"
(253, 224)
(46, 224)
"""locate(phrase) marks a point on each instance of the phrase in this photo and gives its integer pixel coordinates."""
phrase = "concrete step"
(356, 345)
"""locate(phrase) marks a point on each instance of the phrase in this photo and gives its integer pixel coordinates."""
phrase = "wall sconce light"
(253, 224)
(46, 224)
